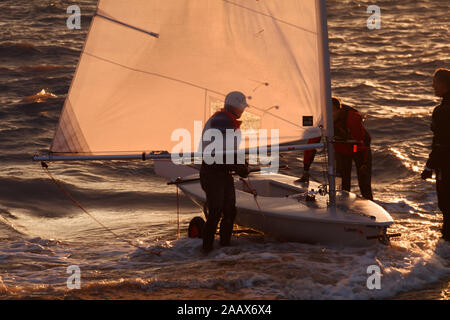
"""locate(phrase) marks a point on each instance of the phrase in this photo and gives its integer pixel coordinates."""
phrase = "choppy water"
(385, 73)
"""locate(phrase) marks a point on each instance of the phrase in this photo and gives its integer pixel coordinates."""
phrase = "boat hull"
(282, 211)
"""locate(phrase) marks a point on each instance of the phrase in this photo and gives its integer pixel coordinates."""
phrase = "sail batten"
(132, 91)
(127, 25)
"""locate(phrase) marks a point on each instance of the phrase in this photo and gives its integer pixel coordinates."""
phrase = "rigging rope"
(255, 195)
(178, 214)
(59, 185)
(325, 164)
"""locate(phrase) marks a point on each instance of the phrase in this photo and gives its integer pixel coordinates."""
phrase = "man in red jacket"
(352, 143)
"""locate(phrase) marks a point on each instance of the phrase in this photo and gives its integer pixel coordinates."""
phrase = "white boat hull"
(281, 210)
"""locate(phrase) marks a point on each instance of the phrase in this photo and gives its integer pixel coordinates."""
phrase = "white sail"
(150, 67)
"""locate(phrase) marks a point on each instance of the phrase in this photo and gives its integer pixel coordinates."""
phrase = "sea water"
(49, 248)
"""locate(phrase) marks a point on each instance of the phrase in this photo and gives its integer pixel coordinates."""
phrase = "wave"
(41, 197)
(42, 68)
(8, 230)
(23, 50)
(39, 97)
(8, 49)
(6, 214)
(255, 270)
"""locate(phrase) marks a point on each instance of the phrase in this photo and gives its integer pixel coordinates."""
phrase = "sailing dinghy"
(152, 72)
(279, 206)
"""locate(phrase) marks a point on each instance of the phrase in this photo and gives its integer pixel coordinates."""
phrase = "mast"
(329, 107)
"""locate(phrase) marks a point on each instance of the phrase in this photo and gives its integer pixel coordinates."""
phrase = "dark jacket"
(440, 125)
(224, 121)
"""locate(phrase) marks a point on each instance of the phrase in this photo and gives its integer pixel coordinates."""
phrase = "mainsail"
(150, 67)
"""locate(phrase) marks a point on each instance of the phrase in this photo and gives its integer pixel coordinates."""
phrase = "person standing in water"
(439, 158)
(216, 178)
(352, 144)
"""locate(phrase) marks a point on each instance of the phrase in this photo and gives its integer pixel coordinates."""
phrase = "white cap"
(236, 99)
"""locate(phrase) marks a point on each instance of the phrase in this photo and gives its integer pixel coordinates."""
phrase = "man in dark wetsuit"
(352, 143)
(439, 158)
(216, 176)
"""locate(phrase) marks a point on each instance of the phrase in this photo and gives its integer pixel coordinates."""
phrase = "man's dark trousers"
(363, 162)
(443, 194)
(220, 200)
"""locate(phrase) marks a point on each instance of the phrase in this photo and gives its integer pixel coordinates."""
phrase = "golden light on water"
(41, 96)
(407, 162)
